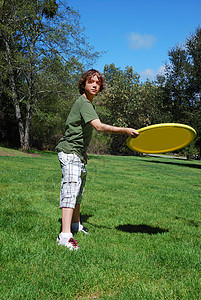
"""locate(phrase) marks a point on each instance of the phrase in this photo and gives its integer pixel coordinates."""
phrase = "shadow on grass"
(84, 218)
(195, 166)
(141, 228)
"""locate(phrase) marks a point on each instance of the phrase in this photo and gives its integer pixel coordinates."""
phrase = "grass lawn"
(144, 218)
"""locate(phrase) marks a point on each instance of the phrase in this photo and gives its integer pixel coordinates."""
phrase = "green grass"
(144, 219)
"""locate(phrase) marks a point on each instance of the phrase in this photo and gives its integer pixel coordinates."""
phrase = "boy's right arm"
(101, 127)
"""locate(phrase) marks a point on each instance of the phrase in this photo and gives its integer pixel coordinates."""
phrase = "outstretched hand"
(132, 132)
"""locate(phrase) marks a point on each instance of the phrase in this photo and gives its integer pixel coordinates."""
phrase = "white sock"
(64, 235)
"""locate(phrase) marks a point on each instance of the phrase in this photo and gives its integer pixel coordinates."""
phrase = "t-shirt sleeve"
(88, 112)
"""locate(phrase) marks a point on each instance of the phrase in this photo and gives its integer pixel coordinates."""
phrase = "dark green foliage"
(121, 99)
(181, 84)
(59, 83)
(35, 34)
(50, 8)
(9, 134)
(130, 103)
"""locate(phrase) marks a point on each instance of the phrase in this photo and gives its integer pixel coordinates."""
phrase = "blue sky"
(137, 33)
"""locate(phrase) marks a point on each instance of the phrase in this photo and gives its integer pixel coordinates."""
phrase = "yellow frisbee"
(162, 138)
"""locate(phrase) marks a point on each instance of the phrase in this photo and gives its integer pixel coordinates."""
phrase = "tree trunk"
(17, 109)
(27, 128)
(20, 123)
(23, 131)
(15, 97)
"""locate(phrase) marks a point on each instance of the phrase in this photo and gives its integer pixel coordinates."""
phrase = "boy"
(72, 154)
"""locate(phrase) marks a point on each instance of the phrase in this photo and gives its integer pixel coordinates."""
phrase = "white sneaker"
(77, 227)
(83, 229)
(70, 243)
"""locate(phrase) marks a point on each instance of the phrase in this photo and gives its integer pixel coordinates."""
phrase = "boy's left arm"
(101, 127)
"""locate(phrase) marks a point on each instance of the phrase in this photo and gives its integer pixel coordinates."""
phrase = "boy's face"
(92, 86)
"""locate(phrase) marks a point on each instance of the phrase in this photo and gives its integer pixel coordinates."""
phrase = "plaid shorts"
(73, 179)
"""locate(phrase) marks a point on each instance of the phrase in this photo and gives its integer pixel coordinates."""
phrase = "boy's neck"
(88, 96)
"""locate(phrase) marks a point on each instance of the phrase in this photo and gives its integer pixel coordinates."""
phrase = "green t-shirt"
(78, 131)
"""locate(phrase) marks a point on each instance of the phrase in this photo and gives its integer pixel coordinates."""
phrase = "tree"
(121, 99)
(122, 93)
(32, 32)
(151, 106)
(193, 45)
(129, 103)
(59, 83)
(181, 84)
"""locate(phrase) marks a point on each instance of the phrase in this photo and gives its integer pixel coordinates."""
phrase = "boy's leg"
(76, 219)
(67, 214)
(76, 225)
(76, 214)
(70, 186)
(65, 237)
